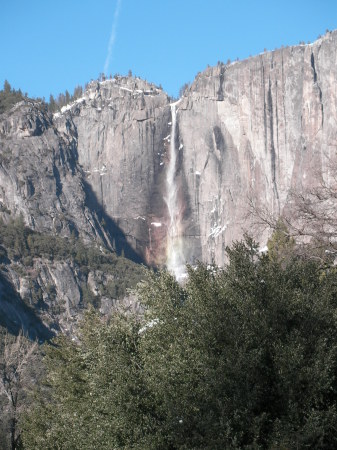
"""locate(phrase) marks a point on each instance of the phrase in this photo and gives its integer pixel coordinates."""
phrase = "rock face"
(39, 175)
(252, 129)
(122, 127)
(48, 297)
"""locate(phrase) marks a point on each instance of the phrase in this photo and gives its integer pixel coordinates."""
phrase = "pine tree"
(52, 104)
(239, 357)
(78, 91)
(280, 245)
(67, 97)
(7, 87)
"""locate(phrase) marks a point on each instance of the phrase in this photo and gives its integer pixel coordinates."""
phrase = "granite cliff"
(255, 129)
(98, 169)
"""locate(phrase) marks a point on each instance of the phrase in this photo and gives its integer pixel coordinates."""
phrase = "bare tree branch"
(15, 360)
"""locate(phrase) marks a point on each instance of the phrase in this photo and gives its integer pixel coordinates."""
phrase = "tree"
(8, 97)
(78, 92)
(309, 215)
(52, 104)
(61, 100)
(281, 244)
(17, 355)
(183, 89)
(95, 390)
(67, 97)
(314, 215)
(244, 356)
(7, 87)
(240, 357)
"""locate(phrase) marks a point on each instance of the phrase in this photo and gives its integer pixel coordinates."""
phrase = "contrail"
(112, 36)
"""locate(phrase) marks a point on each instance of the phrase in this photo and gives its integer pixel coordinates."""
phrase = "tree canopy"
(240, 357)
(9, 96)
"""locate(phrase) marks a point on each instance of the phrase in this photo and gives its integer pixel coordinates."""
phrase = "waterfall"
(175, 261)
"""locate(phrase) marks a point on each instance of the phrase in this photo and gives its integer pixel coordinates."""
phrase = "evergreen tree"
(67, 97)
(281, 245)
(52, 104)
(61, 100)
(9, 97)
(7, 87)
(103, 372)
(240, 357)
(78, 91)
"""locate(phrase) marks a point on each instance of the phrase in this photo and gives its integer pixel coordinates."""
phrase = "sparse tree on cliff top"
(7, 87)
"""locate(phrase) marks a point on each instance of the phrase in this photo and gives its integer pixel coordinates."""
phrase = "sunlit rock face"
(159, 180)
(123, 128)
(255, 129)
(100, 168)
(40, 178)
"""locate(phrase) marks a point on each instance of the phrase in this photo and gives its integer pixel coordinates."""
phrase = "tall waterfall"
(175, 256)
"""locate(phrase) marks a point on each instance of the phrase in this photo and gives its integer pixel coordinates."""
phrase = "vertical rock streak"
(175, 261)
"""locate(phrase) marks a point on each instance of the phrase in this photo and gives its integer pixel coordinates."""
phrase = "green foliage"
(8, 97)
(96, 400)
(21, 245)
(55, 104)
(88, 297)
(281, 245)
(241, 357)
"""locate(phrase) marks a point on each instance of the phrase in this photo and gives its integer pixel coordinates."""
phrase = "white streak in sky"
(112, 37)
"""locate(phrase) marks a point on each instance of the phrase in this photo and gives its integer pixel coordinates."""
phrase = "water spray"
(175, 261)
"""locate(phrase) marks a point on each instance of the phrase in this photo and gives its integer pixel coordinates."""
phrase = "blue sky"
(49, 46)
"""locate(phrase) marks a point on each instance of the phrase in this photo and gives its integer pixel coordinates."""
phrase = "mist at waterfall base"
(175, 261)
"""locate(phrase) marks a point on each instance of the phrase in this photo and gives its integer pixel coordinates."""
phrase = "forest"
(237, 357)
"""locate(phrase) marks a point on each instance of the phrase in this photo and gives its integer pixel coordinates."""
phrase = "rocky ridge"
(248, 131)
